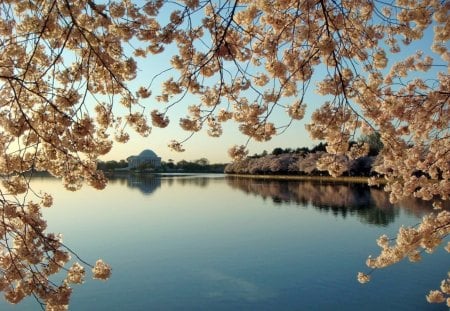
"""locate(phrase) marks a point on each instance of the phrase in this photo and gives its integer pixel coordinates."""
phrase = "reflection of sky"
(229, 287)
(211, 247)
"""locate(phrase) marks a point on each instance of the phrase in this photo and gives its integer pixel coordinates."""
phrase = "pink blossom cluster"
(409, 243)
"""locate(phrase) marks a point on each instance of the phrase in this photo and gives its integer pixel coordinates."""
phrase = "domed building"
(146, 157)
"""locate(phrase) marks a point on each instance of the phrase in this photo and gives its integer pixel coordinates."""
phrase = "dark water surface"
(215, 243)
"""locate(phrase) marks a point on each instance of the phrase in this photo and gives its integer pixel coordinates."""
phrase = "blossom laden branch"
(66, 65)
(410, 243)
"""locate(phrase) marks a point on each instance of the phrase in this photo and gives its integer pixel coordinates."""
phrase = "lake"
(211, 242)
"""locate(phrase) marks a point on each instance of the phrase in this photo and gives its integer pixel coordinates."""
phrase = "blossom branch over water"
(65, 82)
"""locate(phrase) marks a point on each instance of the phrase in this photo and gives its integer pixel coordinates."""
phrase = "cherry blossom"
(67, 82)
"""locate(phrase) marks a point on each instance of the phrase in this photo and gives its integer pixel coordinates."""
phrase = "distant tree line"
(296, 164)
(111, 165)
(201, 165)
(286, 161)
(303, 161)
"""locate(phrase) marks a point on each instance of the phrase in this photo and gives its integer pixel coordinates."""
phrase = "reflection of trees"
(370, 205)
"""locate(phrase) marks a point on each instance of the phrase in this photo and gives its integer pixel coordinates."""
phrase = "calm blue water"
(211, 243)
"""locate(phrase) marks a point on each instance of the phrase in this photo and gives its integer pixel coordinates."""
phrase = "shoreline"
(347, 179)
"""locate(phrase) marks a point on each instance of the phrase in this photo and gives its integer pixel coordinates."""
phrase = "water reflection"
(370, 205)
(146, 184)
(200, 181)
(199, 242)
(149, 183)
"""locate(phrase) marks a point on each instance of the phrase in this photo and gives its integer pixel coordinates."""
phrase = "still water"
(208, 242)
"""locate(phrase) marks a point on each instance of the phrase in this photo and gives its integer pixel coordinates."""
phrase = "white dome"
(148, 154)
